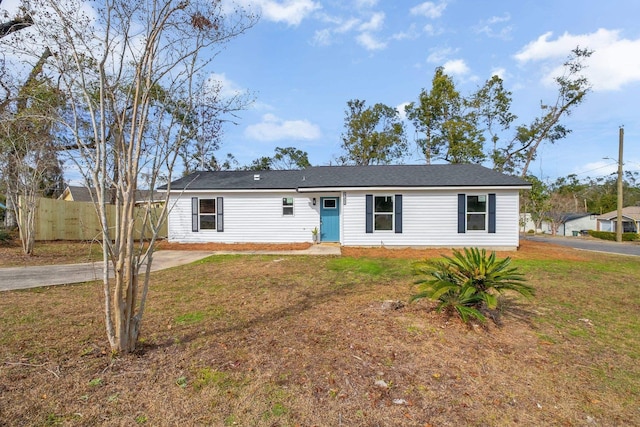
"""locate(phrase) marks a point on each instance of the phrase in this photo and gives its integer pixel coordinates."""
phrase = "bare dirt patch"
(527, 250)
(49, 253)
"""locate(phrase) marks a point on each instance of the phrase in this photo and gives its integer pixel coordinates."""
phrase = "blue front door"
(329, 219)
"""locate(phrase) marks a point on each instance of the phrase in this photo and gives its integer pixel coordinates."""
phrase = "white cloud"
(612, 65)
(273, 128)
(365, 30)
(456, 67)
(429, 9)
(432, 31)
(599, 168)
(366, 3)
(439, 55)
(12, 6)
(500, 72)
(492, 27)
(374, 24)
(291, 12)
(326, 36)
(410, 34)
(346, 26)
(400, 108)
(369, 42)
(228, 88)
(322, 37)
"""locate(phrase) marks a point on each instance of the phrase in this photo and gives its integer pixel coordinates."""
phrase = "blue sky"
(306, 58)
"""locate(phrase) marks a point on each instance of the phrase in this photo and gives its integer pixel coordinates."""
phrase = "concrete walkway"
(13, 278)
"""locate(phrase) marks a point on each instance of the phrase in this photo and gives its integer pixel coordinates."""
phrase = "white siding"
(429, 219)
(584, 223)
(248, 218)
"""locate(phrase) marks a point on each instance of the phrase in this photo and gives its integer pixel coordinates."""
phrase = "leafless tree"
(559, 206)
(130, 71)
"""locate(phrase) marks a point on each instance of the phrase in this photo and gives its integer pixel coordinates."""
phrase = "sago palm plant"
(467, 281)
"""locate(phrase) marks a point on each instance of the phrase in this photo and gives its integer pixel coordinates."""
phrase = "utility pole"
(619, 219)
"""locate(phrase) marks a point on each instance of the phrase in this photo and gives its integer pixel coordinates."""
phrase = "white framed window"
(476, 212)
(329, 204)
(207, 214)
(383, 213)
(287, 206)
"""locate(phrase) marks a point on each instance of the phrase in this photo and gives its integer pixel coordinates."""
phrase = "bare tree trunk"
(130, 79)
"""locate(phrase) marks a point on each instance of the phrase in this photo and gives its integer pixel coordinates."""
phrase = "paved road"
(590, 244)
(12, 278)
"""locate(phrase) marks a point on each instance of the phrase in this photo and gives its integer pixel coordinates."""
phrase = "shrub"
(468, 282)
(5, 236)
(609, 235)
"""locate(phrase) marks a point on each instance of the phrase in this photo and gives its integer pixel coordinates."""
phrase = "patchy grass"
(268, 341)
(49, 253)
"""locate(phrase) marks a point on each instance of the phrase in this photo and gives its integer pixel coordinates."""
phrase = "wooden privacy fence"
(63, 220)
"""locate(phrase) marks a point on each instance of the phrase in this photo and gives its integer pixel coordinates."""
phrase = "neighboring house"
(390, 205)
(142, 198)
(573, 223)
(73, 193)
(630, 220)
(83, 194)
(527, 223)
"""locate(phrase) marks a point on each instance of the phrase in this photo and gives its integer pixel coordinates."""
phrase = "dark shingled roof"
(466, 175)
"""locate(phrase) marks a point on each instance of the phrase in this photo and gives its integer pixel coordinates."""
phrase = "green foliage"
(288, 158)
(95, 382)
(182, 382)
(190, 318)
(516, 155)
(374, 135)
(141, 419)
(600, 193)
(468, 282)
(453, 127)
(609, 235)
(210, 377)
(371, 267)
(447, 123)
(5, 236)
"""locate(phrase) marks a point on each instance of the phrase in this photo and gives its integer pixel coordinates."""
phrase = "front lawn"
(285, 341)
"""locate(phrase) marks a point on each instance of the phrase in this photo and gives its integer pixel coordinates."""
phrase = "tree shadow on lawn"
(306, 301)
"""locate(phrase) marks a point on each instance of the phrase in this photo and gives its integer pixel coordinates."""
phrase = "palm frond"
(467, 279)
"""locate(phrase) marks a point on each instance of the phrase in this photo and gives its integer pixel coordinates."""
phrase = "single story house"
(74, 193)
(630, 220)
(572, 224)
(460, 205)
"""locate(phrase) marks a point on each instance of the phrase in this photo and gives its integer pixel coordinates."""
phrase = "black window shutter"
(462, 202)
(369, 213)
(398, 208)
(492, 213)
(194, 215)
(220, 215)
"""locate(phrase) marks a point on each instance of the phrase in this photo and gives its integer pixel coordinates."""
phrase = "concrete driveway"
(590, 244)
(13, 278)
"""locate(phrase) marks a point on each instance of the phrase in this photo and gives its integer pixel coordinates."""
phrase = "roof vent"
(256, 177)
